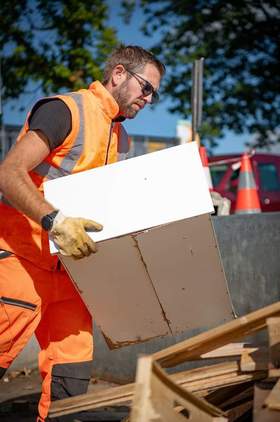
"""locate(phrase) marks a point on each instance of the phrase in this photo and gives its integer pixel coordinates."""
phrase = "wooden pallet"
(203, 394)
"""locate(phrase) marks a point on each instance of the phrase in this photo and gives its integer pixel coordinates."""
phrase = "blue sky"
(157, 121)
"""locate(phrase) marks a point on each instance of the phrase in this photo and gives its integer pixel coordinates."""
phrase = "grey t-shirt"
(53, 118)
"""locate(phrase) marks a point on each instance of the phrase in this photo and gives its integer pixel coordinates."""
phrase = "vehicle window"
(269, 179)
(217, 173)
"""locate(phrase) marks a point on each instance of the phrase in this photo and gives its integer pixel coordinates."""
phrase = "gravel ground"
(20, 392)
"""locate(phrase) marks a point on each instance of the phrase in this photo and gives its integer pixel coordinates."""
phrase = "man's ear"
(118, 75)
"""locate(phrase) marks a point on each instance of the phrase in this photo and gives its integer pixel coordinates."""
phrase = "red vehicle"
(266, 168)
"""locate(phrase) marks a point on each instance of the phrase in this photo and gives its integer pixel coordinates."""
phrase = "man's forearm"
(18, 188)
(15, 182)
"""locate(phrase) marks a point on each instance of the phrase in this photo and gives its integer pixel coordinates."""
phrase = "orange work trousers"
(33, 300)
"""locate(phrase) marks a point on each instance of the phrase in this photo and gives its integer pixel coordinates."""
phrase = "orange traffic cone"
(247, 201)
(204, 160)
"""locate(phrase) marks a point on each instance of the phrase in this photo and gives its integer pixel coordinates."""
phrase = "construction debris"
(217, 392)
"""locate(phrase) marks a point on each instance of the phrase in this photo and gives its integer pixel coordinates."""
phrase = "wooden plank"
(201, 380)
(229, 350)
(255, 361)
(273, 399)
(157, 397)
(198, 380)
(204, 372)
(205, 342)
(223, 381)
(273, 326)
(230, 396)
(262, 413)
(94, 400)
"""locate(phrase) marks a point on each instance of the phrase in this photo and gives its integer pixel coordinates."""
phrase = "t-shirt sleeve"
(53, 118)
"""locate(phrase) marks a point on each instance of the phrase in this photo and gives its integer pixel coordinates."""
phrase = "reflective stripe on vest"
(49, 171)
(69, 161)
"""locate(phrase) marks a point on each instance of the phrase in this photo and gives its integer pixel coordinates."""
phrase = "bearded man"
(62, 135)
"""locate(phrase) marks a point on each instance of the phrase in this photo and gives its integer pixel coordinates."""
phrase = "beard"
(122, 96)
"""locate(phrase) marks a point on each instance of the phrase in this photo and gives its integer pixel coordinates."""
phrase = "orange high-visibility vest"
(94, 141)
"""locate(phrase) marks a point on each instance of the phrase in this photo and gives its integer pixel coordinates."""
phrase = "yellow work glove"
(70, 236)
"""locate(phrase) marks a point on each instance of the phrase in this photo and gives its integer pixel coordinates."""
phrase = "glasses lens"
(148, 89)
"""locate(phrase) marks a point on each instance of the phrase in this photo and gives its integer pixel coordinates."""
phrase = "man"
(62, 135)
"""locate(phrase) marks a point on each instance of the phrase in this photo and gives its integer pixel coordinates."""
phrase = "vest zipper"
(109, 143)
(16, 302)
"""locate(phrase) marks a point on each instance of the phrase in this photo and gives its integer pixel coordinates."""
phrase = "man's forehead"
(149, 68)
(151, 73)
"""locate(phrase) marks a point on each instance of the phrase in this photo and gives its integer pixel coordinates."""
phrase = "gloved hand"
(70, 236)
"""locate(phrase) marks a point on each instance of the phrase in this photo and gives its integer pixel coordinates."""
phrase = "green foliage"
(241, 45)
(59, 44)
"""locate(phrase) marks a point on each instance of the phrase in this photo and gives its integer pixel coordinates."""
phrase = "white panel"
(136, 194)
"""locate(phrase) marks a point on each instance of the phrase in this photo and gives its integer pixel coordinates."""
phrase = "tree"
(241, 46)
(58, 44)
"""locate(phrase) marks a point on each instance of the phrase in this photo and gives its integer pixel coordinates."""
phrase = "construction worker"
(62, 135)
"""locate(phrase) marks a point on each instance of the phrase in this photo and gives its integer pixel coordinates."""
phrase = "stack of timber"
(244, 385)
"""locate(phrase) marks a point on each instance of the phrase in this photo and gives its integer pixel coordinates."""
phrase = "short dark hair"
(133, 58)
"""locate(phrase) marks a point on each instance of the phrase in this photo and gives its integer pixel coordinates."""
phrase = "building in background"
(8, 136)
(139, 144)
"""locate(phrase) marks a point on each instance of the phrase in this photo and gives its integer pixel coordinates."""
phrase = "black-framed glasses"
(146, 87)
